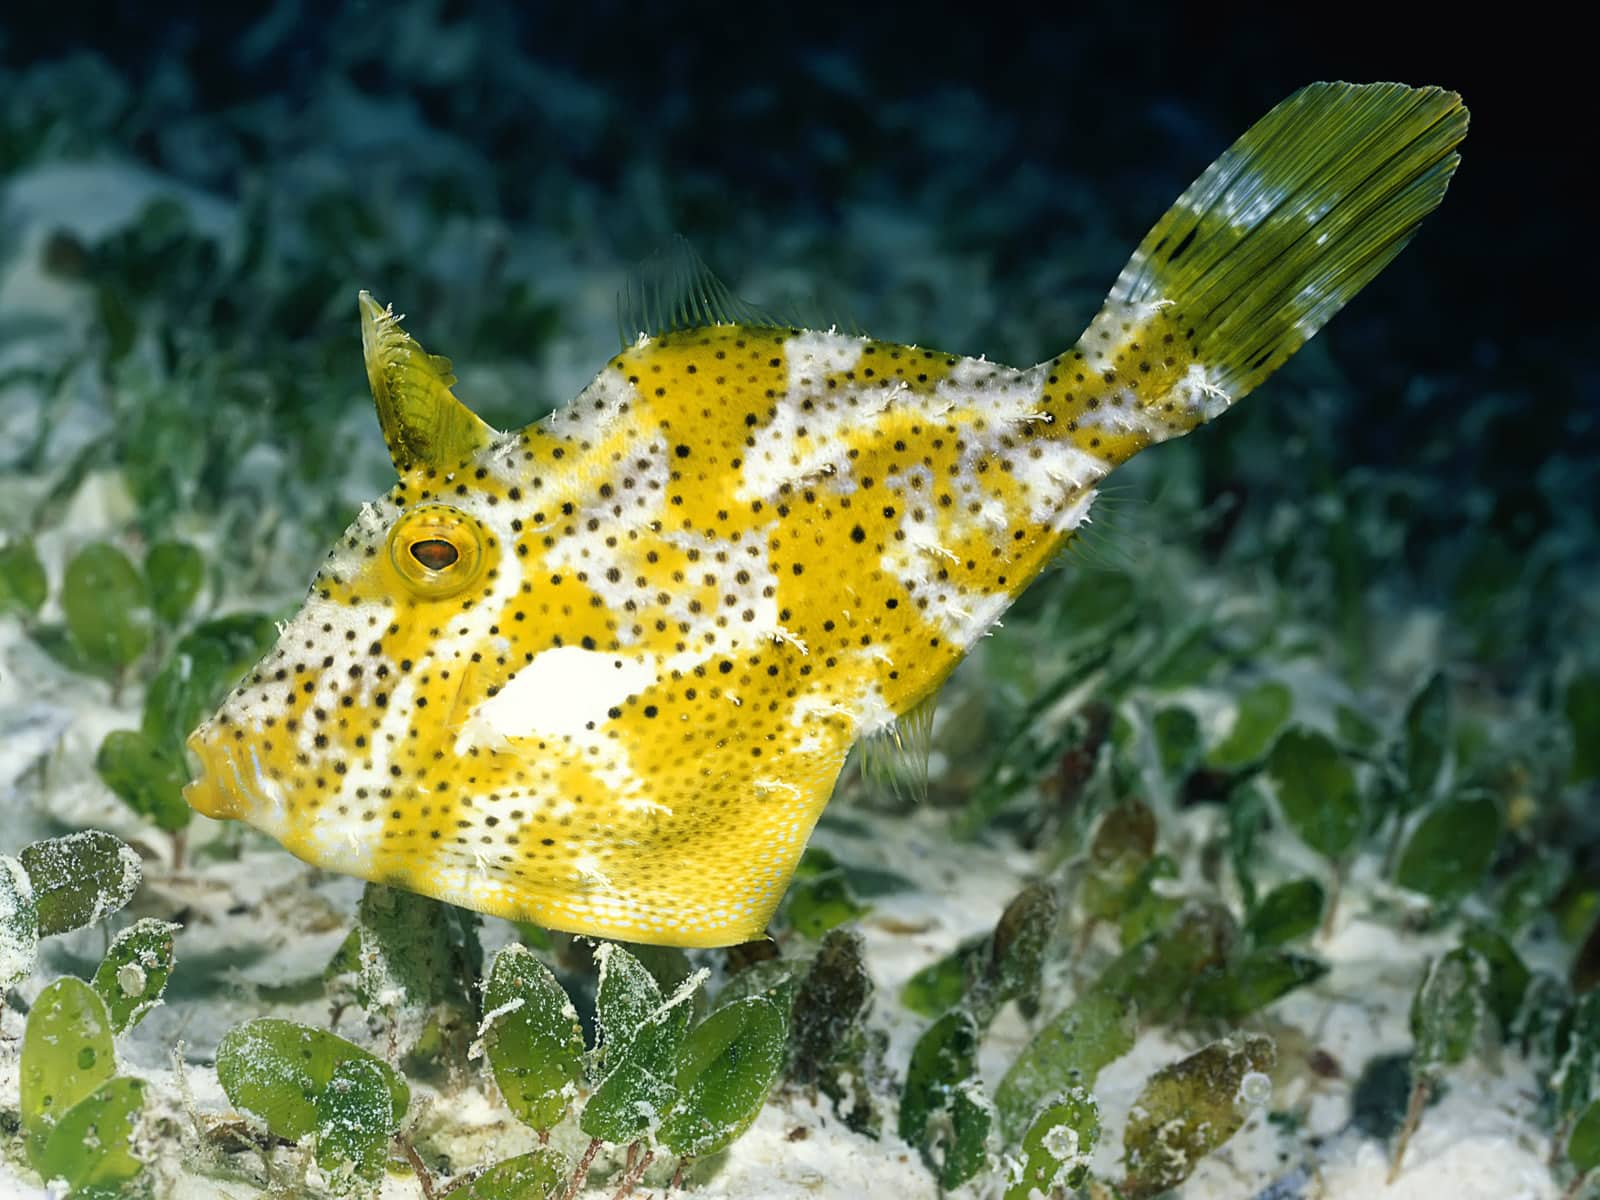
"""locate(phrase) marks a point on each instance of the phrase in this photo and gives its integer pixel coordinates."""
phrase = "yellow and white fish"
(601, 673)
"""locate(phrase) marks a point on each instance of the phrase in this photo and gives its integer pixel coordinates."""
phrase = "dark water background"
(1036, 150)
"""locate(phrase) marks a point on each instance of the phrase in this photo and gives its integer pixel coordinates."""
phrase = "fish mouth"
(219, 790)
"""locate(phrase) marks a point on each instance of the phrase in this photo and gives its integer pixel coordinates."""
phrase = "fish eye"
(435, 553)
(439, 551)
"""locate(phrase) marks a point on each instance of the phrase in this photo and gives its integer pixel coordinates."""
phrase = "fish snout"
(218, 791)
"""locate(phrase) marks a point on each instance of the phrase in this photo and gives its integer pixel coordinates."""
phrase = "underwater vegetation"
(1243, 862)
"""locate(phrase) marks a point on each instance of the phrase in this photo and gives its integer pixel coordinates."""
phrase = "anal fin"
(896, 757)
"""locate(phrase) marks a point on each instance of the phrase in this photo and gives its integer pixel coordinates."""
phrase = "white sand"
(267, 920)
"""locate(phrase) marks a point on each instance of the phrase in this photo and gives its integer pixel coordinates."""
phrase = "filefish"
(601, 673)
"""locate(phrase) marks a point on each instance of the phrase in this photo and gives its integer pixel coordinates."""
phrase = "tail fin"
(1273, 239)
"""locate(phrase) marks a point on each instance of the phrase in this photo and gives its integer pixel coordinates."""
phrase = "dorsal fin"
(823, 305)
(423, 423)
(1117, 534)
(673, 289)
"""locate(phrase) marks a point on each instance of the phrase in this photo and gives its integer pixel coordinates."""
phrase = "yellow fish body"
(601, 673)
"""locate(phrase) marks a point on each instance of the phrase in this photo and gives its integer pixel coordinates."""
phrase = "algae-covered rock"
(829, 1044)
(1188, 1109)
(1123, 843)
(419, 960)
(1017, 947)
(832, 1000)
